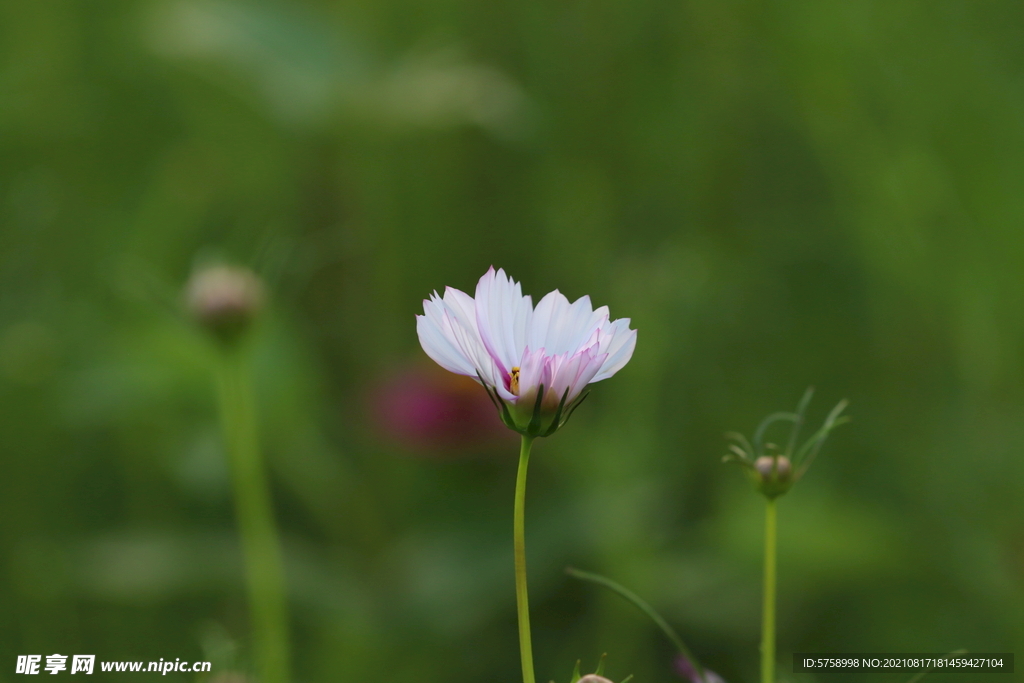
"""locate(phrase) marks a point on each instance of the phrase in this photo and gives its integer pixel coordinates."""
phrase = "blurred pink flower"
(534, 362)
(686, 670)
(426, 409)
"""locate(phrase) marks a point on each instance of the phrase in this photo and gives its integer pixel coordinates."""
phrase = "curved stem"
(264, 573)
(644, 607)
(768, 613)
(519, 532)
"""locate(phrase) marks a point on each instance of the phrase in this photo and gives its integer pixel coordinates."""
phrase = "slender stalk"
(768, 613)
(519, 532)
(264, 573)
(644, 607)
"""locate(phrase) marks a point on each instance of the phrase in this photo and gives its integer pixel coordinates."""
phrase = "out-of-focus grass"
(777, 195)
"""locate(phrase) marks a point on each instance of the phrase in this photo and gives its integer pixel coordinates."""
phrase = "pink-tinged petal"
(578, 328)
(459, 324)
(588, 371)
(455, 317)
(599, 322)
(563, 371)
(503, 315)
(521, 326)
(551, 308)
(612, 335)
(462, 306)
(439, 346)
(619, 347)
(473, 347)
(440, 313)
(575, 372)
(534, 370)
(594, 361)
(568, 332)
(561, 327)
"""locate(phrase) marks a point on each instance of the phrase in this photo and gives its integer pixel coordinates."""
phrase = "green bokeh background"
(778, 194)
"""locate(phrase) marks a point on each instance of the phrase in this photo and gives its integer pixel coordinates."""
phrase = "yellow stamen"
(513, 381)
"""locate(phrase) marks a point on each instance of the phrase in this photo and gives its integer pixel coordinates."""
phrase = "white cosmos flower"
(534, 362)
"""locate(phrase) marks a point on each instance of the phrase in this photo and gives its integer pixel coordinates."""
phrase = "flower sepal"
(538, 418)
(595, 677)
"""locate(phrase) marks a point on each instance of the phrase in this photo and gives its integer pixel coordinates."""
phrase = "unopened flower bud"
(593, 678)
(224, 299)
(774, 475)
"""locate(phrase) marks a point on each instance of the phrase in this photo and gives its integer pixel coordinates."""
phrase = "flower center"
(513, 381)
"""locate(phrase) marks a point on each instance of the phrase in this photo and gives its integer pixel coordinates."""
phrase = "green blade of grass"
(644, 607)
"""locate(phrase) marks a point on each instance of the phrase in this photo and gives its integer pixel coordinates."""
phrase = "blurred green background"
(778, 194)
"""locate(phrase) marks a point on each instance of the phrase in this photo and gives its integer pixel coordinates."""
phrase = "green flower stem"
(264, 572)
(519, 532)
(644, 607)
(768, 613)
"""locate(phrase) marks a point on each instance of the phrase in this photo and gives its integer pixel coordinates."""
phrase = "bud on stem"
(774, 475)
(225, 300)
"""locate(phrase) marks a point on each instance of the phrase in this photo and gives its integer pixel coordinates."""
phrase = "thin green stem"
(644, 607)
(264, 572)
(768, 612)
(519, 532)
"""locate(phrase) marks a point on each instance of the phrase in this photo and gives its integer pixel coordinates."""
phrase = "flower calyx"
(533, 418)
(773, 470)
(595, 677)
